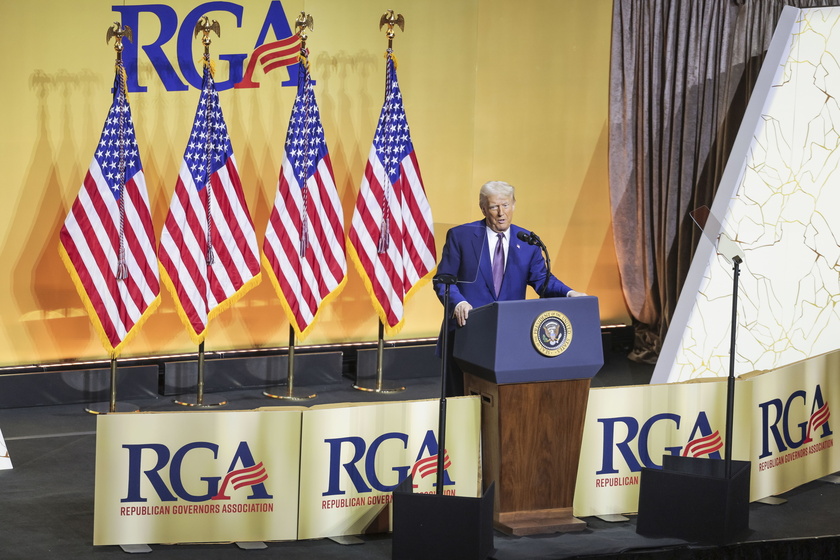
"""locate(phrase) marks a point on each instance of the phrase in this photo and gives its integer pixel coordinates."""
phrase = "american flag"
(304, 240)
(107, 241)
(208, 248)
(391, 235)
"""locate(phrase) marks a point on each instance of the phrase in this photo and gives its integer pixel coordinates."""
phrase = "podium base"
(691, 499)
(441, 527)
(539, 522)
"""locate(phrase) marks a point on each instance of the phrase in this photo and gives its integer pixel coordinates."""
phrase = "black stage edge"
(76, 386)
(693, 499)
(154, 377)
(440, 526)
(263, 371)
(401, 362)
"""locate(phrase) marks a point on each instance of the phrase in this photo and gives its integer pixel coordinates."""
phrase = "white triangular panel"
(779, 198)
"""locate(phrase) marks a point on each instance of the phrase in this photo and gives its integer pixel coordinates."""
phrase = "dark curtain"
(681, 74)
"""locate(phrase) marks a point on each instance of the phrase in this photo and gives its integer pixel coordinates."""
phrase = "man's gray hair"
(498, 188)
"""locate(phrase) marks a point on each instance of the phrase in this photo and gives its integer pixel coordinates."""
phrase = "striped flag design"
(703, 446)
(270, 56)
(208, 248)
(304, 248)
(818, 418)
(391, 235)
(248, 476)
(107, 241)
(428, 466)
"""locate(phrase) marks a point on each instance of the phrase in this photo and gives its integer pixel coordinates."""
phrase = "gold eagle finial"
(391, 19)
(303, 22)
(206, 25)
(118, 31)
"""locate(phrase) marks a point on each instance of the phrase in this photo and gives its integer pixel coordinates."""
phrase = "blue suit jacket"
(467, 257)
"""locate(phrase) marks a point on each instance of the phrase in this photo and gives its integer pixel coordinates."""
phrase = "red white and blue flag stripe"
(391, 235)
(208, 248)
(304, 247)
(107, 241)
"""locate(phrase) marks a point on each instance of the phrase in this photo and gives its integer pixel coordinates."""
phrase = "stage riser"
(244, 373)
(172, 378)
(164, 377)
(21, 390)
(401, 362)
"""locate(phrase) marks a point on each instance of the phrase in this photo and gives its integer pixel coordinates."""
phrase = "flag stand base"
(276, 394)
(380, 386)
(381, 389)
(206, 401)
(112, 405)
(105, 408)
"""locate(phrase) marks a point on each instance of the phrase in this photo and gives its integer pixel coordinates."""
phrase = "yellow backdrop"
(514, 91)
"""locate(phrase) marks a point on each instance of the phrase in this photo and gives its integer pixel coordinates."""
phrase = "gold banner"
(781, 425)
(252, 475)
(196, 477)
(355, 456)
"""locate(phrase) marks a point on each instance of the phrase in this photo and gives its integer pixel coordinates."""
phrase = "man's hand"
(462, 311)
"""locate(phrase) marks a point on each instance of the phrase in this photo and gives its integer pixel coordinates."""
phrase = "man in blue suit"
(490, 264)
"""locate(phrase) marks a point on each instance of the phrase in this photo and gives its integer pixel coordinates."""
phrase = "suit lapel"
(485, 271)
(514, 265)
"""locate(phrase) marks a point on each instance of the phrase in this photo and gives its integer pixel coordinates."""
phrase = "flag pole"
(200, 399)
(112, 405)
(390, 19)
(118, 31)
(290, 376)
(205, 26)
(379, 386)
(303, 22)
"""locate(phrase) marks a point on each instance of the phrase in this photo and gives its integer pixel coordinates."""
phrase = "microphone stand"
(547, 269)
(447, 280)
(730, 384)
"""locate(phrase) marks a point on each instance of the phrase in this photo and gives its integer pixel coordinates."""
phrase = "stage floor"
(46, 500)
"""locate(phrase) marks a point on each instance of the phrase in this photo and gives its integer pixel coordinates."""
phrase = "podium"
(531, 363)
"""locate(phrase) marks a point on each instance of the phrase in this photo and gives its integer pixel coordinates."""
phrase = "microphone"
(445, 279)
(530, 238)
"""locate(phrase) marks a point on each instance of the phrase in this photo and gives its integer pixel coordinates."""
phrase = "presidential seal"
(551, 333)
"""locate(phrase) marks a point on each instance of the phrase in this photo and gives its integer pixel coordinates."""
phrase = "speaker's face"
(499, 212)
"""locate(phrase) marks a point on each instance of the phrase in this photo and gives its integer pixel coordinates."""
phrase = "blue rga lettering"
(187, 73)
(168, 483)
(372, 480)
(776, 422)
(638, 437)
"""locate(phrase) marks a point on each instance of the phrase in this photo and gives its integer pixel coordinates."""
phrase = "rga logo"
(626, 445)
(794, 428)
(183, 72)
(208, 485)
(363, 469)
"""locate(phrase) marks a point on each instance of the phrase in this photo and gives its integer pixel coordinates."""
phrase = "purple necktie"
(498, 264)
